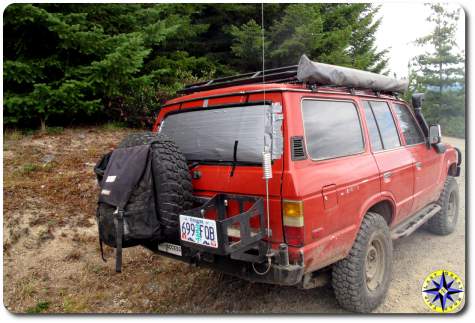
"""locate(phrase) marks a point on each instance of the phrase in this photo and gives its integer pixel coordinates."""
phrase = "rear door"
(395, 163)
(426, 160)
(210, 149)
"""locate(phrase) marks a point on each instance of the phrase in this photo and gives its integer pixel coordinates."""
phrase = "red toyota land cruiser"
(307, 170)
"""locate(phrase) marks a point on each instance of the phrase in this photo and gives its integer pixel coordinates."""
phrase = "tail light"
(293, 222)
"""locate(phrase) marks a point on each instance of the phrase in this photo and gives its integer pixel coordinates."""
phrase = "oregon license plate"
(199, 231)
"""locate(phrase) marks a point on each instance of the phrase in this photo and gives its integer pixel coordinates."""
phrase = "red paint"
(336, 193)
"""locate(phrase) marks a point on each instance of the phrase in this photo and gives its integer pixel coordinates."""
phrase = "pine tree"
(363, 51)
(341, 34)
(440, 70)
(64, 61)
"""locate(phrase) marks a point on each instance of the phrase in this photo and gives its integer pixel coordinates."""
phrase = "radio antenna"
(266, 163)
(263, 49)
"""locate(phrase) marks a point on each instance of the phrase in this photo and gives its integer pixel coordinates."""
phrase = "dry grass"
(51, 252)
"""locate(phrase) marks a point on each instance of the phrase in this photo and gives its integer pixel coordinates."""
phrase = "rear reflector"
(294, 236)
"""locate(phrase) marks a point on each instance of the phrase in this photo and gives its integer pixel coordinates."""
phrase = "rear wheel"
(361, 280)
(444, 222)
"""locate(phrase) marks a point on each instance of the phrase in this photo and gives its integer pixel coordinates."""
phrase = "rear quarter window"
(332, 129)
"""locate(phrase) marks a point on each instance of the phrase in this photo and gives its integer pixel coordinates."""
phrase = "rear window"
(332, 129)
(211, 135)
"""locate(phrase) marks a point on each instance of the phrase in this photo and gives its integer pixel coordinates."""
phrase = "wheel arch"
(383, 205)
(452, 169)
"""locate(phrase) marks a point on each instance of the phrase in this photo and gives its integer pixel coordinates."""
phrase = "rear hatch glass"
(212, 134)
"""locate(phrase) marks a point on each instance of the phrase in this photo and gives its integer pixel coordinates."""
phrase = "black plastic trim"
(293, 141)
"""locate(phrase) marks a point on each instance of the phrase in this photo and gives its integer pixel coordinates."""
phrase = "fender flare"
(369, 203)
(375, 199)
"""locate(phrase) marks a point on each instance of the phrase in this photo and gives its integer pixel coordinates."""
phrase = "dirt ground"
(52, 262)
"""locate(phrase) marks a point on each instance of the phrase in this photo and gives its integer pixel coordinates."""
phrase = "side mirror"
(435, 134)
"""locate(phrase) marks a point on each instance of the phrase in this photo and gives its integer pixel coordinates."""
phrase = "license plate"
(170, 248)
(199, 231)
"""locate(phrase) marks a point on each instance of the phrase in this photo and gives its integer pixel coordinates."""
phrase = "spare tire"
(172, 180)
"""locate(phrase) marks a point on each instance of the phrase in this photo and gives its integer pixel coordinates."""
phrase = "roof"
(272, 87)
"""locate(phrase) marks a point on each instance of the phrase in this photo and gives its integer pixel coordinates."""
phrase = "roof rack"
(287, 74)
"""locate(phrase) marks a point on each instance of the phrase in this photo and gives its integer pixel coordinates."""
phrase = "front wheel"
(444, 222)
(361, 280)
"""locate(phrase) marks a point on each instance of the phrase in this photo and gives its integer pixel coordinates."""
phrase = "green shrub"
(40, 307)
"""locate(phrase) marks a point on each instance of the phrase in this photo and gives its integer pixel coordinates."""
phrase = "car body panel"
(336, 193)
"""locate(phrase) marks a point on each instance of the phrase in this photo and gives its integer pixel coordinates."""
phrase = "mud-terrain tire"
(173, 190)
(361, 280)
(444, 222)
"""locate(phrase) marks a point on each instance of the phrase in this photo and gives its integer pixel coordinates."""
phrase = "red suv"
(347, 169)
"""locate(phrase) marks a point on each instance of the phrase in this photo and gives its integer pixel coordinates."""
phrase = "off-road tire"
(173, 190)
(349, 276)
(445, 221)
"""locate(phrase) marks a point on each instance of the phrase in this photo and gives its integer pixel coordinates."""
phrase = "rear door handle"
(387, 175)
(419, 165)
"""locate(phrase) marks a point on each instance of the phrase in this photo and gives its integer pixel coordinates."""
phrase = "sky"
(401, 24)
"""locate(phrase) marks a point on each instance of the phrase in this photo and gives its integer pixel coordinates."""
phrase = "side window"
(373, 130)
(386, 125)
(332, 128)
(409, 127)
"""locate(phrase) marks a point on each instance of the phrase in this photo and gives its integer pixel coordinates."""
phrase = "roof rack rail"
(287, 74)
(351, 90)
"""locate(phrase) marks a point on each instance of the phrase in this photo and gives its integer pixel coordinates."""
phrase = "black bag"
(126, 213)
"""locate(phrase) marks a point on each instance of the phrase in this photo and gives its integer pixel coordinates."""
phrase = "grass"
(45, 234)
(13, 135)
(29, 168)
(74, 255)
(114, 125)
(71, 305)
(40, 307)
(54, 130)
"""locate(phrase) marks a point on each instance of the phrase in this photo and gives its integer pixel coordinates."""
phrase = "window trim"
(396, 124)
(362, 130)
(393, 104)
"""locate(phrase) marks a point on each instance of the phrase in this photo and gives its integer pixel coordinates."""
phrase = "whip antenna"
(266, 162)
(263, 49)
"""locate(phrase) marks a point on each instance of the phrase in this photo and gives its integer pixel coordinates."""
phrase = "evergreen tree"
(363, 52)
(342, 34)
(441, 72)
(70, 61)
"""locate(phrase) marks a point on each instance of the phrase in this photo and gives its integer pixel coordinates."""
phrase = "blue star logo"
(443, 291)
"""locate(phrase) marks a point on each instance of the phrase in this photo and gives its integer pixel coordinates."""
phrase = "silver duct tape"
(210, 134)
(277, 136)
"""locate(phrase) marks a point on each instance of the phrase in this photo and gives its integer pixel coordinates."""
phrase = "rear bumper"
(284, 275)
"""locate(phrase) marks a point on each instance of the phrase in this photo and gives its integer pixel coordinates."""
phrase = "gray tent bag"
(326, 74)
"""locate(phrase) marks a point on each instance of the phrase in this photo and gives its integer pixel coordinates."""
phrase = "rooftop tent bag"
(127, 173)
(326, 74)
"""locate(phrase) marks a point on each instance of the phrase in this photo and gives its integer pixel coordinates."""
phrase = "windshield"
(212, 134)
